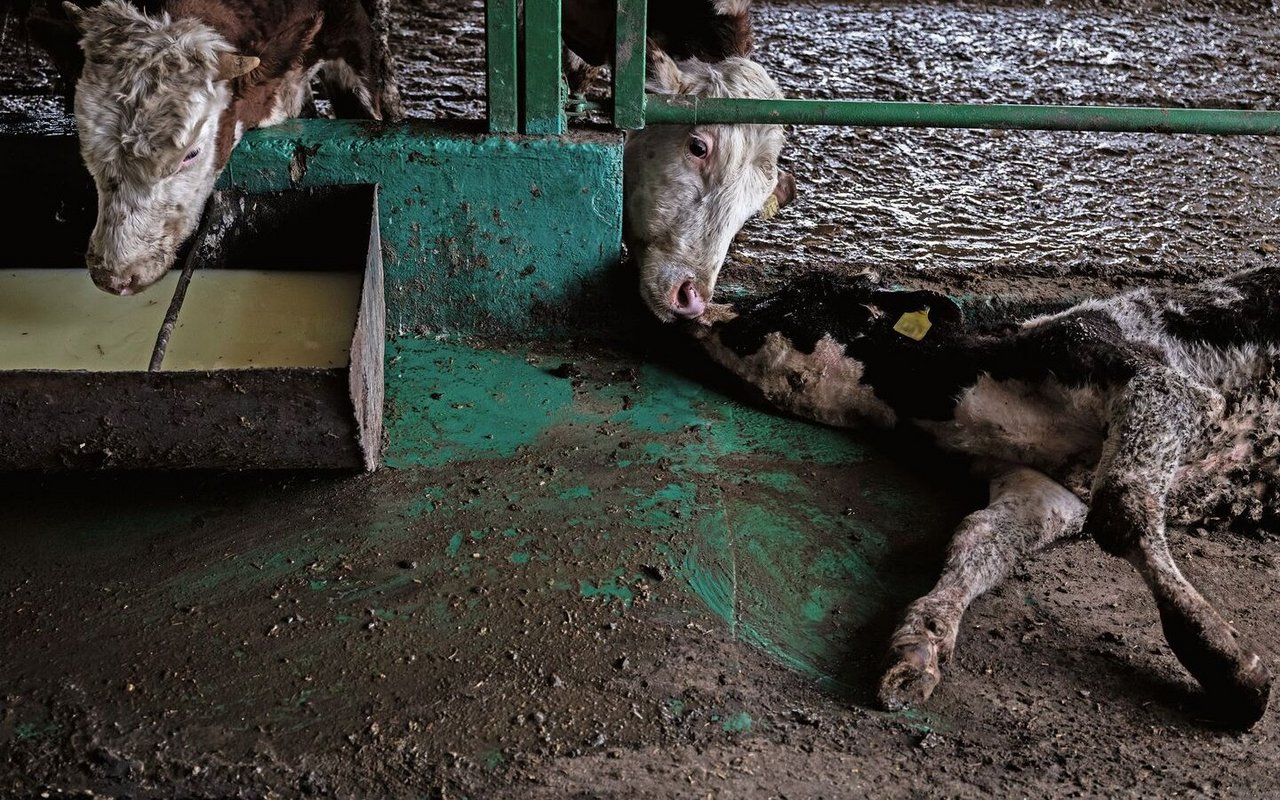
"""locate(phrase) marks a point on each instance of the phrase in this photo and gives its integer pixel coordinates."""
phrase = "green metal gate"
(541, 106)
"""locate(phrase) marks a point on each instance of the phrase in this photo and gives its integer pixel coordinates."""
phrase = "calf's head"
(841, 349)
(690, 189)
(150, 105)
(855, 310)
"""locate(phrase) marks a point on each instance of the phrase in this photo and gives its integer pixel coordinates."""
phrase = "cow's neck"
(921, 379)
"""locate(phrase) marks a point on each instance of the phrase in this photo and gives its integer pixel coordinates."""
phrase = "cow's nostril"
(687, 301)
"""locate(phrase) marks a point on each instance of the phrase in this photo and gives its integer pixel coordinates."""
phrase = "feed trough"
(265, 351)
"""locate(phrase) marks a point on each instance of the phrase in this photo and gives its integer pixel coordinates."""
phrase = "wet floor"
(1041, 213)
(627, 586)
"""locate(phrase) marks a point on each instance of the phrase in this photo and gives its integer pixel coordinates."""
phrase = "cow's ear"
(298, 39)
(233, 65)
(75, 14)
(663, 72)
(784, 191)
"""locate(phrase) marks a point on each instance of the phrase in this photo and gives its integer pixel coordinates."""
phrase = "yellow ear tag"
(914, 324)
(770, 209)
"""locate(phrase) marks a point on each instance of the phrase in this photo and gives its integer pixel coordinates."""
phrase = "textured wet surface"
(989, 212)
(626, 585)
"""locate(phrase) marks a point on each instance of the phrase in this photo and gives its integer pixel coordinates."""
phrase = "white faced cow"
(1114, 418)
(164, 95)
(690, 189)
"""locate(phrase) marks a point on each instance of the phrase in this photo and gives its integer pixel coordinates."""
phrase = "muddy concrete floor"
(219, 636)
(528, 625)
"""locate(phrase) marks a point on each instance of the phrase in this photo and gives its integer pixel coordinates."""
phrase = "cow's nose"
(687, 302)
(122, 285)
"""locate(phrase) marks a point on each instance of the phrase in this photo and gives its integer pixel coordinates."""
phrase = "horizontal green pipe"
(684, 110)
(580, 105)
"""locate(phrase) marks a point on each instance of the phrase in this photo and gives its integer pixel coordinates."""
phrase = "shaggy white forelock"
(147, 86)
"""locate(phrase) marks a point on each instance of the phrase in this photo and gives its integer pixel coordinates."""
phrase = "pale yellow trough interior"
(57, 319)
(240, 318)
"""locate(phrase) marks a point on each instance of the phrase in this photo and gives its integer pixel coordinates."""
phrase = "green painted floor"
(790, 533)
(529, 499)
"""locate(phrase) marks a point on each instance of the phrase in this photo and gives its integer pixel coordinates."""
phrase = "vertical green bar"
(500, 53)
(544, 92)
(629, 64)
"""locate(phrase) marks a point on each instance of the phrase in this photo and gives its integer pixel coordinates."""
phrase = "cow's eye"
(697, 147)
(189, 157)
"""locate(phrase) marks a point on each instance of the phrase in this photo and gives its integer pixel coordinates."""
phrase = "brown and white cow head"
(160, 104)
(148, 106)
(690, 189)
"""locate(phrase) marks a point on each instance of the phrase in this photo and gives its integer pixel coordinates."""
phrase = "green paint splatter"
(455, 544)
(519, 558)
(494, 759)
(30, 730)
(609, 590)
(449, 405)
(778, 481)
(425, 504)
(917, 720)
(816, 609)
(737, 723)
(576, 493)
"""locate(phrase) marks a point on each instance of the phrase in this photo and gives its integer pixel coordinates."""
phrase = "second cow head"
(691, 188)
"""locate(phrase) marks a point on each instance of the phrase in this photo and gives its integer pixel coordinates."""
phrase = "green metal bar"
(544, 90)
(579, 106)
(629, 64)
(503, 80)
(665, 109)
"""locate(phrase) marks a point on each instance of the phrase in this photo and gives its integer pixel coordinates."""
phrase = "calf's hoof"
(1241, 700)
(909, 680)
(1234, 678)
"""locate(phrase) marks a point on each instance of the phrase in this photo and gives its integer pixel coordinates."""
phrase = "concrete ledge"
(482, 234)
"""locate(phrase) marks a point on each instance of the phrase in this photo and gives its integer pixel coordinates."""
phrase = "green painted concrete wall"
(482, 234)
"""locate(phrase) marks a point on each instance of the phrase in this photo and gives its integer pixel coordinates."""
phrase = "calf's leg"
(1153, 420)
(1026, 512)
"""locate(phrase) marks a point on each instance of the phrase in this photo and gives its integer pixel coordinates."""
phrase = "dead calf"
(1114, 418)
